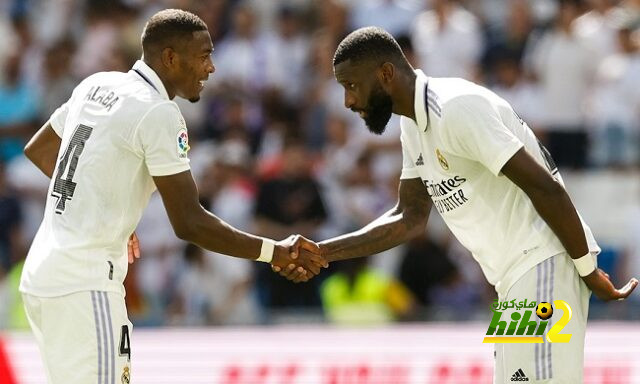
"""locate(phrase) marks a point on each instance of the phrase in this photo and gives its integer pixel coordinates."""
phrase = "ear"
(386, 72)
(169, 57)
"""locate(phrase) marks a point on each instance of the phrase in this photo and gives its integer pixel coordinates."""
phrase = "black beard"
(378, 110)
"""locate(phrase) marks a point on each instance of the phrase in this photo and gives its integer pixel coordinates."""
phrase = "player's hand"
(304, 259)
(598, 281)
(133, 248)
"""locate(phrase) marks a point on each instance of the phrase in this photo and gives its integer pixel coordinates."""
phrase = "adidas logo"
(420, 161)
(519, 376)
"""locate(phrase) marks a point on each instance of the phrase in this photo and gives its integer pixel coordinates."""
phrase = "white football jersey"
(464, 135)
(117, 130)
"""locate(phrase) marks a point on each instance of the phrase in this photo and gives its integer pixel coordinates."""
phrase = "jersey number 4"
(125, 344)
(64, 187)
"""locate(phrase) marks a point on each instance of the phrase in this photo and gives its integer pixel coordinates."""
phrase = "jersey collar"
(419, 100)
(149, 76)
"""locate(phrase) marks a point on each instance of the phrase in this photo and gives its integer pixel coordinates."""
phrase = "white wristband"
(266, 251)
(585, 265)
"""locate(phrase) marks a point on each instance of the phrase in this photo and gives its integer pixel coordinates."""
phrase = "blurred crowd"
(275, 152)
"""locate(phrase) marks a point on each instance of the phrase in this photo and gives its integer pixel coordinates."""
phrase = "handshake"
(298, 259)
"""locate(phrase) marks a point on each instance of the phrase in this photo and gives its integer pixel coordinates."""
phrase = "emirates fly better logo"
(523, 327)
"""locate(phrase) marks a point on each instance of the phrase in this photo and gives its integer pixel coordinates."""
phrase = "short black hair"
(169, 25)
(369, 43)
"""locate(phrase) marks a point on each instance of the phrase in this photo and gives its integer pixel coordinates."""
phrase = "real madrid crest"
(442, 160)
(125, 378)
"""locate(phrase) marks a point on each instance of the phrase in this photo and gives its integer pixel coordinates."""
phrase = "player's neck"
(158, 68)
(403, 95)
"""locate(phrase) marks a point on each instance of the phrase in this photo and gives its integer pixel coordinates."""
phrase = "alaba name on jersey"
(117, 131)
(462, 137)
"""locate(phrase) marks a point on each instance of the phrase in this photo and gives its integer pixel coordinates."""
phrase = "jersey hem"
(52, 292)
(503, 286)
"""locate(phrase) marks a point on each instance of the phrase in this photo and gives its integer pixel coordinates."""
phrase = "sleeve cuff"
(57, 127)
(169, 169)
(504, 156)
(409, 173)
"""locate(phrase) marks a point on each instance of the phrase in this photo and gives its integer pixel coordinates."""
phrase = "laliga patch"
(183, 143)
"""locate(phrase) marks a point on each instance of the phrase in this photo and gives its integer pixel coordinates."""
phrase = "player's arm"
(554, 205)
(43, 149)
(192, 223)
(406, 220)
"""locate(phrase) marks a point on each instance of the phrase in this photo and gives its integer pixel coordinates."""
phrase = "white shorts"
(554, 279)
(83, 337)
